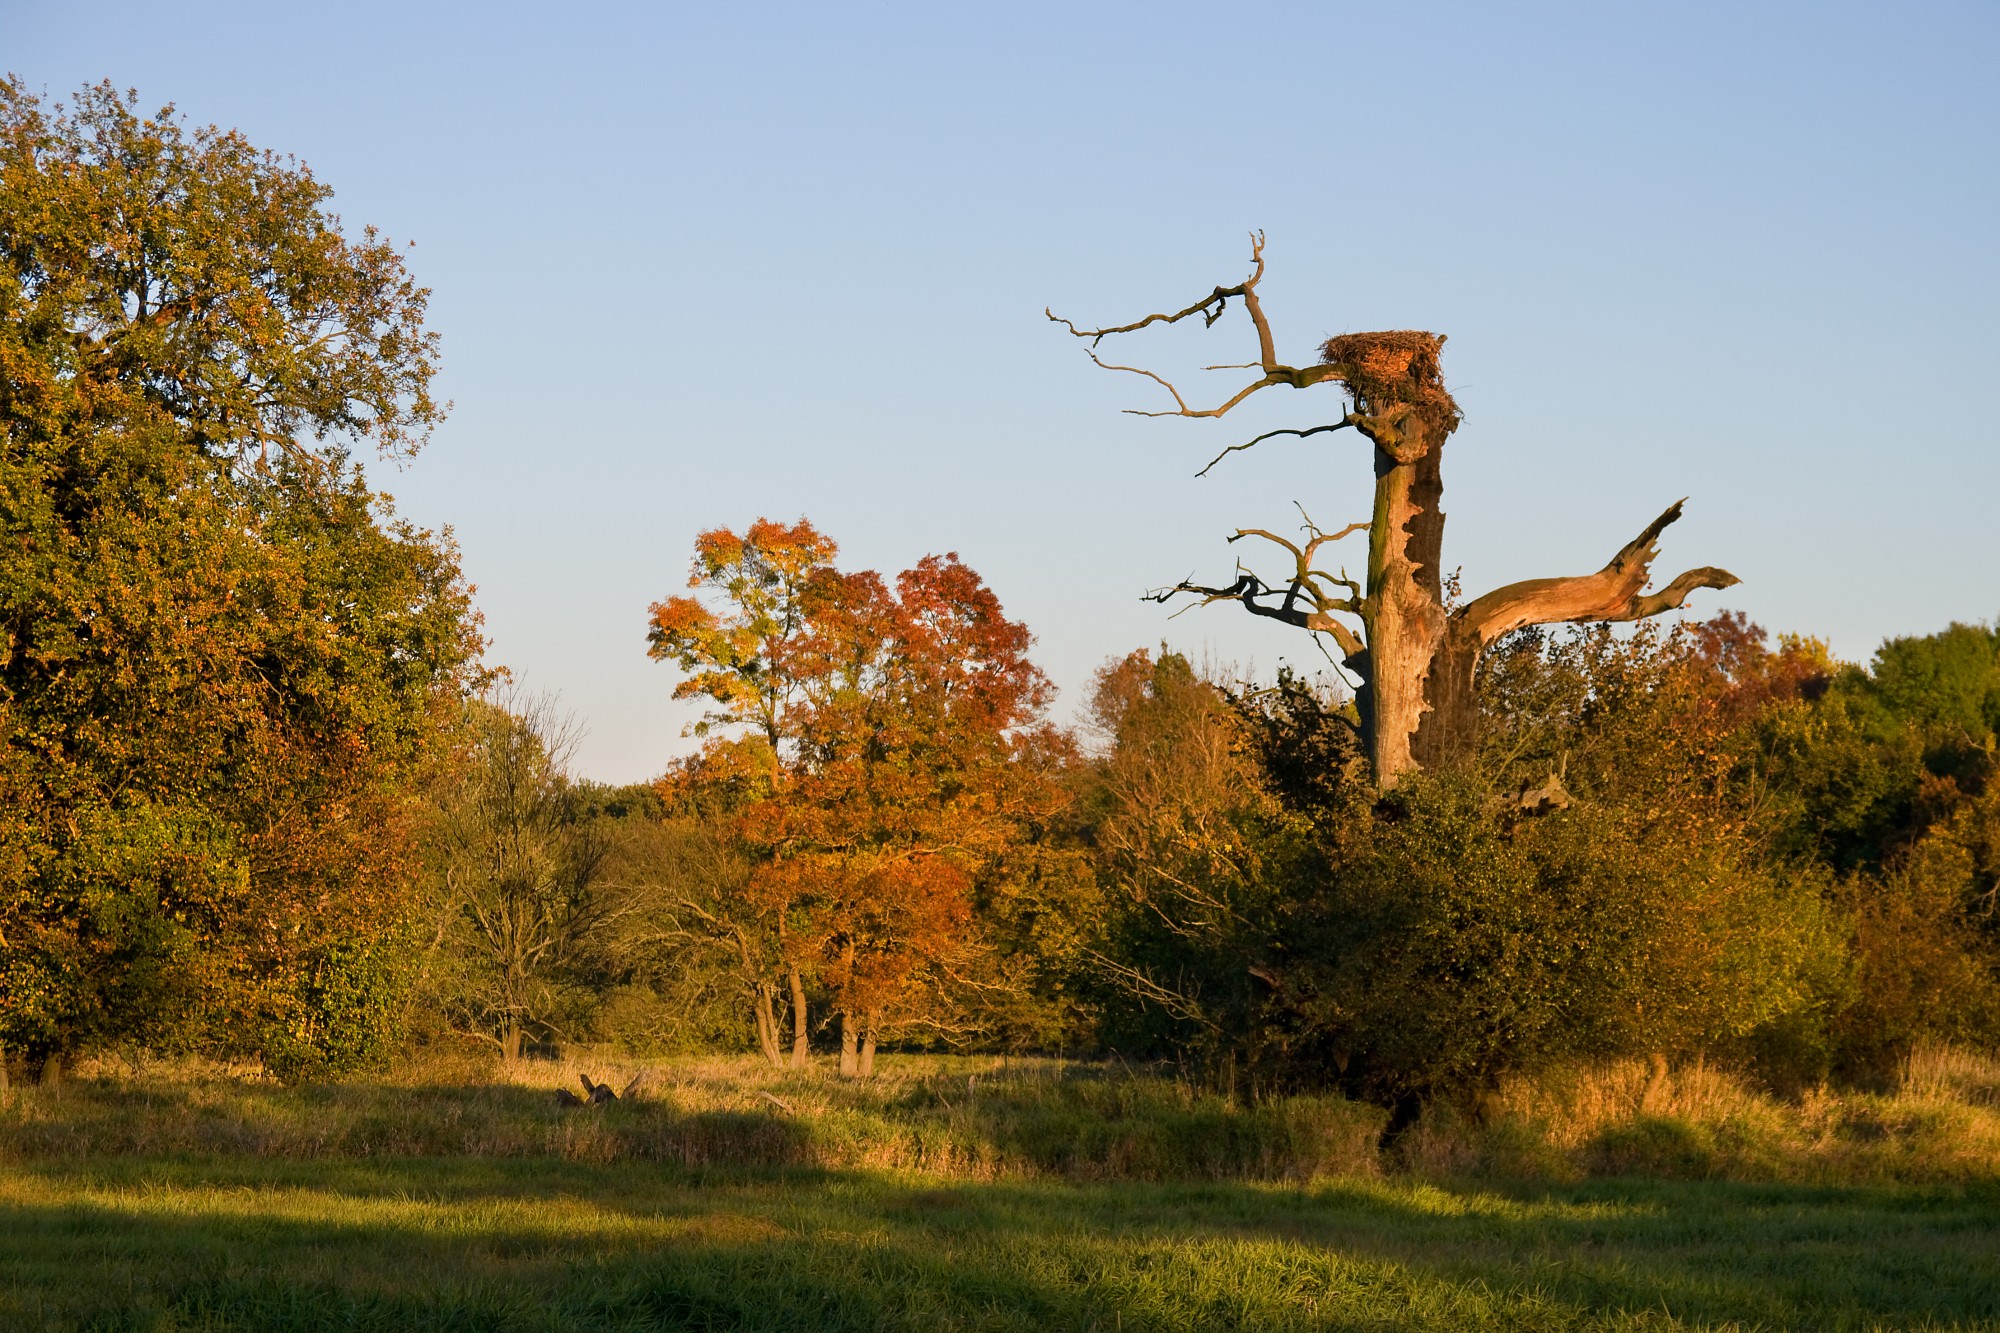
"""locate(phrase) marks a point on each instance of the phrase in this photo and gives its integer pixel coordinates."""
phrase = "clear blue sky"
(697, 263)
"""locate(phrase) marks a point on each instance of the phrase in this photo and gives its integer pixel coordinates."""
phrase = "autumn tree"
(918, 770)
(224, 665)
(737, 649)
(905, 771)
(1414, 655)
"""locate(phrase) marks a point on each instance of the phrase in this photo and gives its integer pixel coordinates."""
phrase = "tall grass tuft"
(1647, 1118)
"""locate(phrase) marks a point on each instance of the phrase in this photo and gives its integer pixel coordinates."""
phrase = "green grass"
(521, 1244)
(972, 1194)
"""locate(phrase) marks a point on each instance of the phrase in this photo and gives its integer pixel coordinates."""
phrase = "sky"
(697, 264)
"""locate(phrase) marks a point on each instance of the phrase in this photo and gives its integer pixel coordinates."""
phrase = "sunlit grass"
(531, 1245)
(980, 1194)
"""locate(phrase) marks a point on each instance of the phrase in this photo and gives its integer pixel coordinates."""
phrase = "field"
(979, 1195)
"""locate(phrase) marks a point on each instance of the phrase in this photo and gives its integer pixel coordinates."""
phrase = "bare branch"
(1135, 370)
(1248, 588)
(1141, 984)
(1611, 594)
(1350, 420)
(1241, 533)
(1211, 308)
(1670, 597)
(1273, 377)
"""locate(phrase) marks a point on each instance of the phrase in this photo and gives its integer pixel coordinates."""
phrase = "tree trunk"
(800, 1051)
(868, 1047)
(849, 1058)
(510, 1042)
(1404, 613)
(1415, 658)
(767, 1026)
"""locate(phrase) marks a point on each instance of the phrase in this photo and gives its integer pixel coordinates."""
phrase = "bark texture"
(767, 1025)
(801, 1052)
(850, 1053)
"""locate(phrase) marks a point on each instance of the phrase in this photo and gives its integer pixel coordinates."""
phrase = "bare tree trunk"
(510, 1042)
(867, 1067)
(849, 1060)
(1415, 657)
(800, 1051)
(1404, 611)
(767, 1026)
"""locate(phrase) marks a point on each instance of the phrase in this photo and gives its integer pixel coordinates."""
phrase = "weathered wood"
(1415, 659)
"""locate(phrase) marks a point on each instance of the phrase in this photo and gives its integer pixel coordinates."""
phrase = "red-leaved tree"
(906, 759)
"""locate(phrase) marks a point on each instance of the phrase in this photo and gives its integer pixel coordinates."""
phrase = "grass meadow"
(987, 1194)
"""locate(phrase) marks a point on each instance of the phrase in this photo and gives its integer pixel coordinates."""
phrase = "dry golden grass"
(987, 1118)
(963, 1118)
(1634, 1117)
(979, 1193)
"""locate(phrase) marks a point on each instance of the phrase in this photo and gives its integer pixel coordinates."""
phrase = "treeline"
(1674, 842)
(259, 799)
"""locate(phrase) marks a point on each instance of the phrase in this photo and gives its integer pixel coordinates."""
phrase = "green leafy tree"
(1289, 923)
(224, 665)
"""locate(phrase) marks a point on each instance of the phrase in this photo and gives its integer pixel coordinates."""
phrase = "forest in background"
(260, 798)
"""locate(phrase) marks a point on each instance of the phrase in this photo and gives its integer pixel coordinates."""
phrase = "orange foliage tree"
(894, 764)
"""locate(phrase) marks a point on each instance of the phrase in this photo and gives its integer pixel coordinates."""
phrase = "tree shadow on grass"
(469, 1243)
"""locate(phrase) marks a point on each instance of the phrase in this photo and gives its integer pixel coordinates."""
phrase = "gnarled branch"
(1350, 420)
(1612, 593)
(1211, 308)
(1313, 586)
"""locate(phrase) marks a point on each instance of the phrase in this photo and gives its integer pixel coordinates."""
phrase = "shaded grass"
(990, 1119)
(507, 1244)
(971, 1119)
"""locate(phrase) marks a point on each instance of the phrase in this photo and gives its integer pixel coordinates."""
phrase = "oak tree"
(223, 663)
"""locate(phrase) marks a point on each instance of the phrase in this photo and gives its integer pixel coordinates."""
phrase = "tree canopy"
(225, 663)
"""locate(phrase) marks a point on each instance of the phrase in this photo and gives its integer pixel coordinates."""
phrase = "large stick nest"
(1398, 366)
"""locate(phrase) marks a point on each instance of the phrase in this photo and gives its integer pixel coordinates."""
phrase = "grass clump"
(1939, 1123)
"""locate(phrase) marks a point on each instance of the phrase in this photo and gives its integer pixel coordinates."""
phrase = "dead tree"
(1413, 656)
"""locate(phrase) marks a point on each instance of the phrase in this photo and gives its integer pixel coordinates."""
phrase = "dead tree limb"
(1613, 593)
(1414, 658)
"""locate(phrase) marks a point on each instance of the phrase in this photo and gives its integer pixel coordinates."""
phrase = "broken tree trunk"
(1415, 658)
